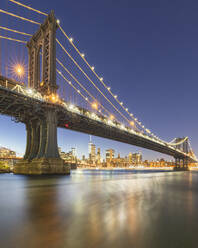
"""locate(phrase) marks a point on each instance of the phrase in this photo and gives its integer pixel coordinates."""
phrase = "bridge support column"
(42, 156)
(181, 164)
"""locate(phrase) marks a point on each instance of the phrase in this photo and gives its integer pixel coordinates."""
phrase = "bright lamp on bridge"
(111, 117)
(19, 70)
(132, 123)
(94, 105)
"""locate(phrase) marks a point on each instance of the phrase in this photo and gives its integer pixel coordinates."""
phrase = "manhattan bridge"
(64, 90)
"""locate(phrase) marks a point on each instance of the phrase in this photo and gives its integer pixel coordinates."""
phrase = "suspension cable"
(101, 80)
(28, 7)
(178, 143)
(69, 82)
(90, 80)
(75, 79)
(15, 31)
(19, 17)
(9, 38)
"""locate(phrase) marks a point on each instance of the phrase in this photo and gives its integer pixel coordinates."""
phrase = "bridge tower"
(181, 163)
(42, 156)
(42, 72)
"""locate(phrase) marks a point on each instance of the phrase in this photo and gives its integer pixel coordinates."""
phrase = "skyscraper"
(92, 151)
(73, 152)
(98, 158)
(89, 145)
(110, 155)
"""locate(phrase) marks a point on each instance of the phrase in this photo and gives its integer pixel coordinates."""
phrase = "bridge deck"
(23, 107)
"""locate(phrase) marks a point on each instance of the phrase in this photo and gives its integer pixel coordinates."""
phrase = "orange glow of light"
(111, 117)
(132, 123)
(94, 105)
(54, 98)
(19, 70)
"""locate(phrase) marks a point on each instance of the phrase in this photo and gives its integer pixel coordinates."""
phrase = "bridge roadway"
(23, 107)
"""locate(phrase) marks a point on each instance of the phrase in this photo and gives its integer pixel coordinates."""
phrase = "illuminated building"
(73, 150)
(136, 158)
(89, 145)
(92, 152)
(98, 157)
(109, 156)
(7, 153)
(130, 158)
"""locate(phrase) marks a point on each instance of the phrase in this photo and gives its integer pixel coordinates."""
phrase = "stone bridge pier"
(181, 164)
(41, 155)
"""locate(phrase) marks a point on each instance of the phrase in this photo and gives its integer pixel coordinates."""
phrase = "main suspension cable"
(91, 80)
(28, 7)
(9, 38)
(15, 31)
(78, 91)
(76, 80)
(101, 79)
(19, 17)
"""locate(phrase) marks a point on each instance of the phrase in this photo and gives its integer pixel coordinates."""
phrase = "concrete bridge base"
(181, 164)
(43, 166)
(42, 156)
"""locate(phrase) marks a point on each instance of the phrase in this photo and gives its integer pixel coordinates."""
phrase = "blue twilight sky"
(146, 50)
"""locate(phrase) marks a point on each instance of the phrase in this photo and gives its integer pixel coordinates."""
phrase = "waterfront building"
(130, 158)
(136, 158)
(98, 157)
(74, 153)
(7, 153)
(109, 157)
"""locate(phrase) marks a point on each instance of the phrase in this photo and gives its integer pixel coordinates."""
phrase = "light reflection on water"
(100, 209)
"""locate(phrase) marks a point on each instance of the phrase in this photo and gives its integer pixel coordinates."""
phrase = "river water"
(99, 209)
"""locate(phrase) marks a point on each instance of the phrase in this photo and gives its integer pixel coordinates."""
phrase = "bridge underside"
(42, 119)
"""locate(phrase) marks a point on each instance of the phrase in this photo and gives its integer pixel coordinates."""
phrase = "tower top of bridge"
(43, 43)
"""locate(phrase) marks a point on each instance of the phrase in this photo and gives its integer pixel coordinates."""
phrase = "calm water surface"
(100, 209)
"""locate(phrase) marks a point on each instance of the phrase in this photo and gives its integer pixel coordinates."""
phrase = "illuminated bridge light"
(109, 122)
(30, 91)
(122, 127)
(132, 123)
(112, 117)
(18, 70)
(94, 105)
(71, 106)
